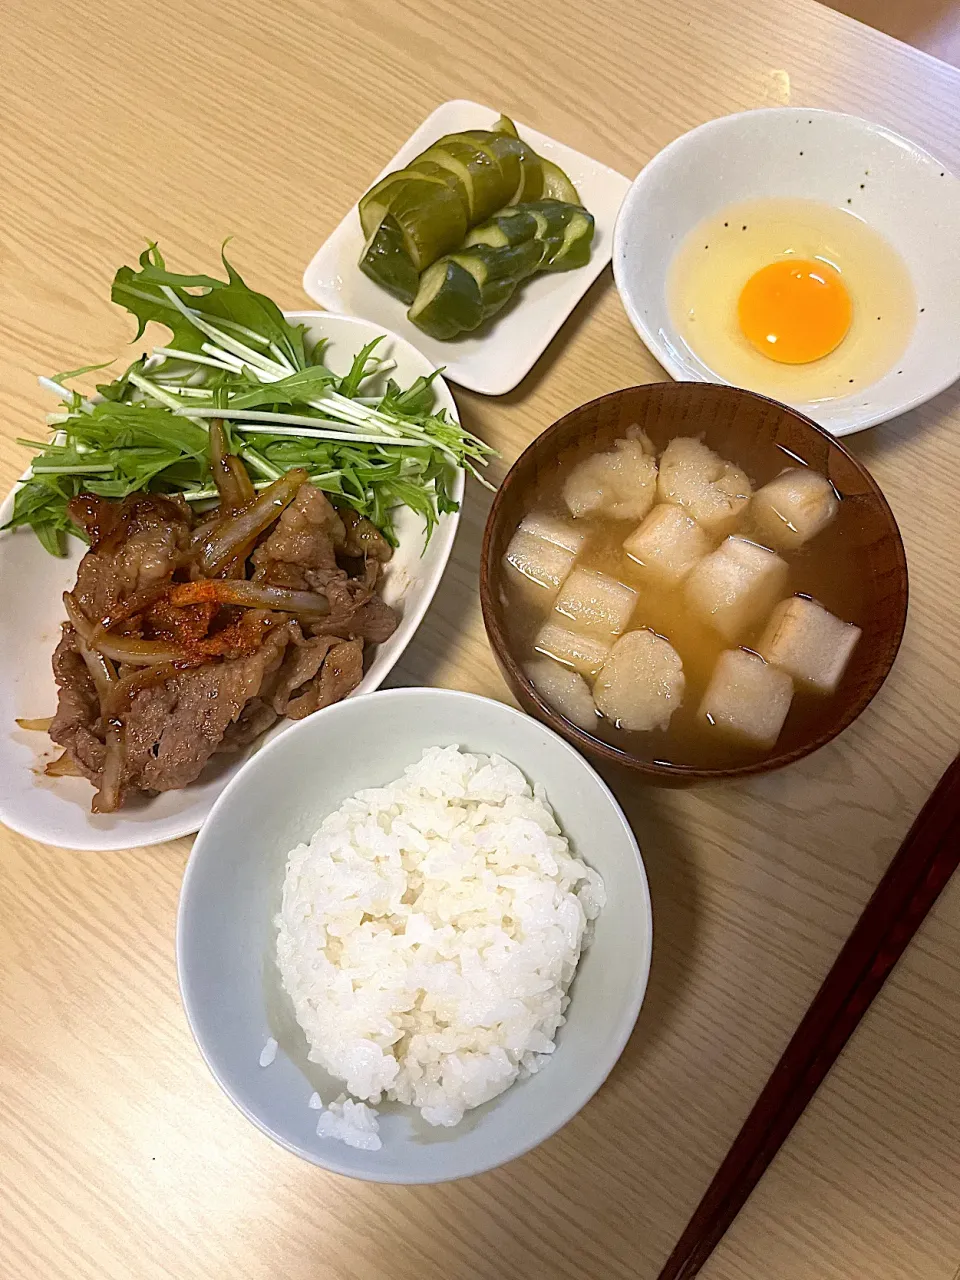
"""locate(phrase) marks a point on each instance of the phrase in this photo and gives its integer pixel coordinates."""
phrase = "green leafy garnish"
(233, 355)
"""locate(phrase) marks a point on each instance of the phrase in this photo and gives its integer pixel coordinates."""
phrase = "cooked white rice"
(427, 937)
(351, 1122)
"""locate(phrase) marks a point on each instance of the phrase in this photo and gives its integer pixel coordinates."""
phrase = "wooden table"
(120, 1157)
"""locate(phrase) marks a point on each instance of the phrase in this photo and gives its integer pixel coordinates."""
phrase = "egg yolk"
(795, 311)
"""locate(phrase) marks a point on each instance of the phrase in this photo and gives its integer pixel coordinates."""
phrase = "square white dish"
(501, 353)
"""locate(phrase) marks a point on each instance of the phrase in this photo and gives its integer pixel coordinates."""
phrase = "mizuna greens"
(233, 356)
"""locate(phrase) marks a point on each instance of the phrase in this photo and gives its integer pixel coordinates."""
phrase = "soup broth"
(823, 569)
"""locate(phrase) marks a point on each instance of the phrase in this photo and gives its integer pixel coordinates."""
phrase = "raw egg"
(792, 298)
(795, 312)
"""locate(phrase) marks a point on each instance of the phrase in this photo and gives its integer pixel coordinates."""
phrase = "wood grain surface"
(119, 1157)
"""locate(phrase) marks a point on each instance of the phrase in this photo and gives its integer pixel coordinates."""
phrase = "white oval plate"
(907, 195)
(32, 582)
(493, 360)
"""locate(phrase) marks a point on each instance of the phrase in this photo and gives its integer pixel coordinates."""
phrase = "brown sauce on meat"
(218, 673)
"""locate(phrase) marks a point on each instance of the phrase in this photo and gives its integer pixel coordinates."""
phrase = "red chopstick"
(911, 885)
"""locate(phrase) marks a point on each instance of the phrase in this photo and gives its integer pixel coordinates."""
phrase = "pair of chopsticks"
(911, 885)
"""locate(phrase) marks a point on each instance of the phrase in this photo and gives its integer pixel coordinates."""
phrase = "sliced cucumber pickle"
(447, 302)
(498, 271)
(551, 218)
(376, 202)
(505, 151)
(431, 217)
(497, 256)
(566, 231)
(424, 220)
(524, 213)
(428, 169)
(479, 172)
(577, 238)
(386, 261)
(512, 226)
(556, 184)
(531, 164)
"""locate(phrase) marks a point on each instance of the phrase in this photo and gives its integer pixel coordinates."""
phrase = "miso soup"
(680, 608)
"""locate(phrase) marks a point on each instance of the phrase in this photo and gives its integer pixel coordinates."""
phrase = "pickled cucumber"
(513, 226)
(498, 271)
(431, 170)
(550, 219)
(509, 153)
(532, 164)
(375, 204)
(543, 235)
(447, 302)
(531, 167)
(574, 251)
(566, 231)
(556, 184)
(524, 213)
(486, 169)
(459, 292)
(430, 219)
(386, 260)
(479, 172)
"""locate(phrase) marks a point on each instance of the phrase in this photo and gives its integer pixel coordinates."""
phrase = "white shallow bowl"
(495, 358)
(231, 893)
(32, 583)
(909, 197)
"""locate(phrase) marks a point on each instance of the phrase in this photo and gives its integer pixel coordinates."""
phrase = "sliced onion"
(100, 667)
(223, 474)
(242, 480)
(64, 767)
(140, 653)
(234, 531)
(250, 595)
(237, 567)
(81, 623)
(107, 799)
(205, 527)
(120, 648)
(38, 725)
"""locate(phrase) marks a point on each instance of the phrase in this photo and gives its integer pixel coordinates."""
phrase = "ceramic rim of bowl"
(650, 338)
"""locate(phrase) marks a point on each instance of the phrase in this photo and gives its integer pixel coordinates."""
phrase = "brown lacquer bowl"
(761, 436)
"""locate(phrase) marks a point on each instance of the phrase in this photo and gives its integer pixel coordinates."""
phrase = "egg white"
(719, 256)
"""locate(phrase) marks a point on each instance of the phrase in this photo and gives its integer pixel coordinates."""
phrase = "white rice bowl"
(427, 937)
(227, 939)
